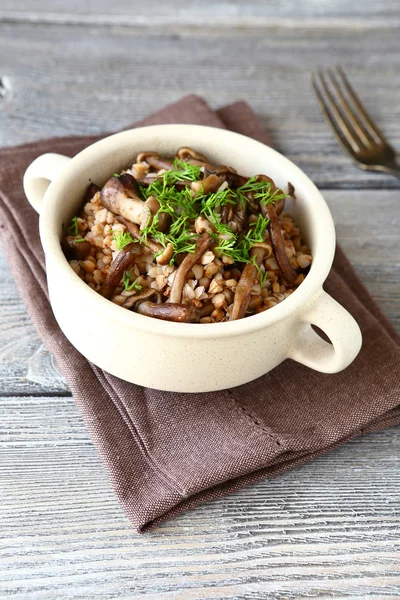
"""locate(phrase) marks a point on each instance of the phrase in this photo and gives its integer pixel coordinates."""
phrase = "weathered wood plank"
(368, 236)
(328, 529)
(224, 14)
(68, 80)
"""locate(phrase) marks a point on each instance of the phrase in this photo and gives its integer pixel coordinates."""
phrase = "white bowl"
(181, 356)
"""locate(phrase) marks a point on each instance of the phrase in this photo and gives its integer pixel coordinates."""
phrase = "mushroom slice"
(246, 281)
(179, 313)
(239, 217)
(74, 249)
(208, 185)
(145, 294)
(124, 260)
(203, 243)
(185, 153)
(291, 190)
(234, 179)
(151, 207)
(121, 196)
(278, 246)
(135, 233)
(91, 191)
(166, 255)
(153, 159)
(269, 211)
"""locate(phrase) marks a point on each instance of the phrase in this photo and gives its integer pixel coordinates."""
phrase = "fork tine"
(348, 111)
(368, 122)
(329, 119)
(349, 135)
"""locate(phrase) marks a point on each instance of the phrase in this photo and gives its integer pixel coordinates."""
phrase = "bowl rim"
(300, 299)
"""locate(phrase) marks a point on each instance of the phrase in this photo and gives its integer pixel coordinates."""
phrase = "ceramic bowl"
(187, 357)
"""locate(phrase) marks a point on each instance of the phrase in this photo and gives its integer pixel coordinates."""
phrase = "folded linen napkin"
(167, 452)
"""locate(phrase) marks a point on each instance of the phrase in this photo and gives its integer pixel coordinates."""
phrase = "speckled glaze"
(178, 356)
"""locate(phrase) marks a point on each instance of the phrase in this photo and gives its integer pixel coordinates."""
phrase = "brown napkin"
(167, 452)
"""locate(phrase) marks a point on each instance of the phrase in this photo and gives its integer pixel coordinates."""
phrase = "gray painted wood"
(92, 79)
(330, 529)
(222, 13)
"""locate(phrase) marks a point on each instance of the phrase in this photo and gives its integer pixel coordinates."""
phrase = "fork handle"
(392, 168)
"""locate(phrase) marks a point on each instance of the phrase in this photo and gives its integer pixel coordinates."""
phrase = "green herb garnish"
(80, 240)
(73, 228)
(122, 239)
(266, 197)
(126, 281)
(256, 231)
(116, 175)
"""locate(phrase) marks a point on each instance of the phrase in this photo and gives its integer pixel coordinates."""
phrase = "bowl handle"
(340, 327)
(40, 174)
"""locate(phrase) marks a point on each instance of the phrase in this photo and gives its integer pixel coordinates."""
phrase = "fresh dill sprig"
(80, 240)
(268, 197)
(262, 277)
(73, 228)
(116, 175)
(122, 239)
(182, 171)
(126, 281)
(256, 230)
(185, 242)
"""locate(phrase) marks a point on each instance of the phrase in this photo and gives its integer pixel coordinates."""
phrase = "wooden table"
(327, 530)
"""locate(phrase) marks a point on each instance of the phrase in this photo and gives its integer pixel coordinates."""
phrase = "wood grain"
(196, 13)
(87, 80)
(328, 529)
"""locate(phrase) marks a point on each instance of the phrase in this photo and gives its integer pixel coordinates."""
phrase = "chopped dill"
(80, 240)
(126, 280)
(116, 175)
(262, 277)
(183, 208)
(73, 228)
(266, 197)
(182, 171)
(122, 239)
(256, 230)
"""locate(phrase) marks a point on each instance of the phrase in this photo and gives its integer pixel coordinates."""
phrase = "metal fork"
(352, 126)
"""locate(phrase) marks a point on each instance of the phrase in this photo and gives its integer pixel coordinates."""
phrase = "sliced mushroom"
(121, 196)
(202, 225)
(74, 249)
(203, 243)
(153, 159)
(235, 180)
(209, 185)
(91, 191)
(246, 282)
(167, 254)
(185, 153)
(179, 313)
(124, 260)
(279, 206)
(135, 233)
(269, 211)
(145, 294)
(239, 218)
(275, 232)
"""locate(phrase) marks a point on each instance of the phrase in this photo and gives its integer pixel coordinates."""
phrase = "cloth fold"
(167, 452)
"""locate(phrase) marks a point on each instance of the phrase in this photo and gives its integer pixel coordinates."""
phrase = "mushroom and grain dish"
(187, 241)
